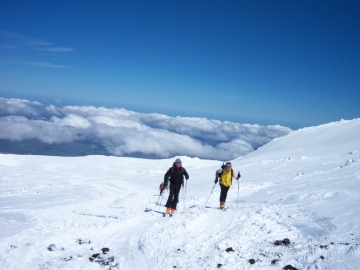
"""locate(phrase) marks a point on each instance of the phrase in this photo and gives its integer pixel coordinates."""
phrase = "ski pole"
(237, 205)
(238, 189)
(210, 194)
(162, 195)
(185, 194)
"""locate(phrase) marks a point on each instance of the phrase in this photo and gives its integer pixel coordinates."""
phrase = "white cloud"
(52, 110)
(125, 132)
(20, 40)
(58, 49)
(18, 128)
(45, 64)
(17, 41)
(71, 120)
(13, 106)
(37, 64)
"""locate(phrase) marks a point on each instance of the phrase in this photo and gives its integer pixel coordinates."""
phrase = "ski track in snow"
(76, 207)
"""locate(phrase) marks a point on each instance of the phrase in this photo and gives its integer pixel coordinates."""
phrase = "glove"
(166, 183)
(216, 180)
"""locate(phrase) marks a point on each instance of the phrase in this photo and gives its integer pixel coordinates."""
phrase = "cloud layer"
(128, 133)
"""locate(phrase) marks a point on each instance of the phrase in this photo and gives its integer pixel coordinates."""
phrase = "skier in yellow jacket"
(226, 174)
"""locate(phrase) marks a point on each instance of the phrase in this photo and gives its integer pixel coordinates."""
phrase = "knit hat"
(178, 160)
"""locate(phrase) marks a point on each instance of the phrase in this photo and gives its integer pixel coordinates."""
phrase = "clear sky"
(293, 63)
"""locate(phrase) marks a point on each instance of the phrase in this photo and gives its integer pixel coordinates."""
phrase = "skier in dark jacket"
(175, 175)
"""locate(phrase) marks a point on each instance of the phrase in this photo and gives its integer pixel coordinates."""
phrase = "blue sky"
(292, 63)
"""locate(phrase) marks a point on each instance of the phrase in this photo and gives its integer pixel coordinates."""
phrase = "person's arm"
(186, 174)
(217, 175)
(238, 176)
(166, 177)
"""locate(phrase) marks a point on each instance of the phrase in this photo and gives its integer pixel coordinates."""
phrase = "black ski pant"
(223, 193)
(173, 197)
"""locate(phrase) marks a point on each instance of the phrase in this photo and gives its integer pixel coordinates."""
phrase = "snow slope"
(58, 212)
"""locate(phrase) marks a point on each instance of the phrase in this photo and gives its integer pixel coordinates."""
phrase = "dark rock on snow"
(284, 242)
(81, 242)
(66, 259)
(289, 267)
(103, 260)
(51, 247)
(105, 250)
(94, 256)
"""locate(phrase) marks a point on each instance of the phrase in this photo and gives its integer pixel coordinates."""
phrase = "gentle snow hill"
(61, 212)
(316, 167)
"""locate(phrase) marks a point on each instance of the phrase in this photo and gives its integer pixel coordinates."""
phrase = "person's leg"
(223, 194)
(170, 198)
(226, 189)
(176, 199)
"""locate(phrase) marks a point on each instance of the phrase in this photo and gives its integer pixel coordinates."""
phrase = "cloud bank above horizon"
(127, 133)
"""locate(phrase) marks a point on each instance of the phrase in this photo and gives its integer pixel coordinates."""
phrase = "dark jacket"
(176, 176)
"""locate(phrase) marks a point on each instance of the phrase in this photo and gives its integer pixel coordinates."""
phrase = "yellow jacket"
(226, 178)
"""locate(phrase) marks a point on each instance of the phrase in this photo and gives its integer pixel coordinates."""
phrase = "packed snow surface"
(100, 212)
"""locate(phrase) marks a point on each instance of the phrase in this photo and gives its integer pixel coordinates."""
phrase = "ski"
(212, 207)
(170, 214)
(152, 210)
(160, 212)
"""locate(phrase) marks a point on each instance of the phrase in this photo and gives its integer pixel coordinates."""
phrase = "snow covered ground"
(99, 212)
